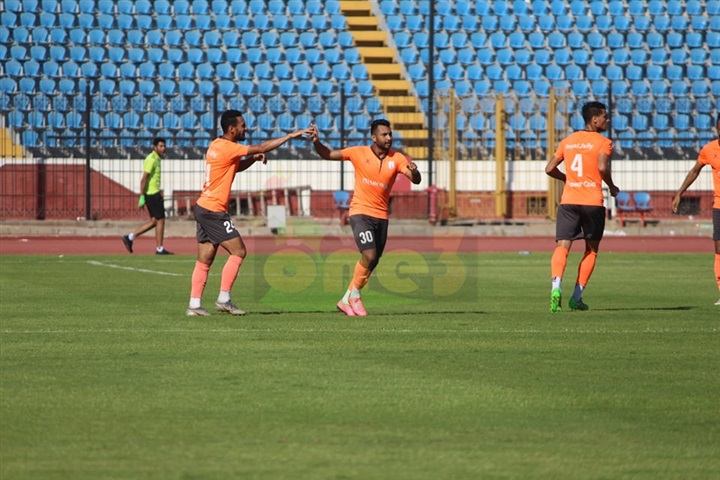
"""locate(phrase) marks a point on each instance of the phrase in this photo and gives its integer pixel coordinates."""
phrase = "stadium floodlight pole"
(88, 171)
(216, 114)
(610, 112)
(431, 91)
(343, 101)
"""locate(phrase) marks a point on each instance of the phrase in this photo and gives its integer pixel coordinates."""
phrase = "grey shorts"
(369, 232)
(214, 227)
(580, 221)
(716, 224)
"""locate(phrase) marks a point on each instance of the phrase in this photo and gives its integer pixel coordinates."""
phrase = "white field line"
(361, 332)
(133, 269)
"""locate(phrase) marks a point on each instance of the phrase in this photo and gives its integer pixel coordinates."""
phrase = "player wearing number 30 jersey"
(585, 156)
(376, 167)
(215, 228)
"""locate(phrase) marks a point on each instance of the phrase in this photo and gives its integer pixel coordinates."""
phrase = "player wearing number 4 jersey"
(586, 158)
(709, 155)
(376, 167)
(224, 158)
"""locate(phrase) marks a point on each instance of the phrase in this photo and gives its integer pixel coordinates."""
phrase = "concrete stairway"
(399, 104)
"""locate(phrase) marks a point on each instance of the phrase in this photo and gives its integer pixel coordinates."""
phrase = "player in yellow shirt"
(224, 158)
(581, 214)
(152, 199)
(709, 155)
(376, 167)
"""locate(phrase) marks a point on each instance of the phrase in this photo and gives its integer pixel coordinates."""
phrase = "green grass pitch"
(459, 371)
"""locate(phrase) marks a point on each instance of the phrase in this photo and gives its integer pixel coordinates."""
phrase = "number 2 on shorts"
(229, 227)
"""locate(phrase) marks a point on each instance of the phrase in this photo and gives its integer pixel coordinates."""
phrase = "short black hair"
(157, 140)
(592, 109)
(229, 118)
(376, 123)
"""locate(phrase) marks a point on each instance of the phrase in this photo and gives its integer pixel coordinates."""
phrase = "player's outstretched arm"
(689, 180)
(552, 168)
(248, 161)
(273, 143)
(413, 173)
(324, 152)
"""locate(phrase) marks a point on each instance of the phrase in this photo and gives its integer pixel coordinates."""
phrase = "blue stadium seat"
(659, 87)
(698, 56)
(641, 23)
(655, 72)
(600, 88)
(546, 23)
(69, 69)
(555, 72)
(247, 88)
(21, 35)
(580, 88)
(563, 56)
(634, 72)
(604, 23)
(470, 23)
(526, 23)
(659, 56)
(619, 87)
(700, 88)
(639, 56)
(543, 57)
(10, 19)
(51, 68)
(715, 88)
(582, 57)
(662, 23)
(614, 72)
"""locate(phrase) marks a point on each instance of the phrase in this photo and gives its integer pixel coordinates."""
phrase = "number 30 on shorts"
(366, 237)
(229, 226)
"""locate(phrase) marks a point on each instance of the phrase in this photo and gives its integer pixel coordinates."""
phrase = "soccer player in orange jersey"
(585, 155)
(224, 158)
(376, 167)
(709, 155)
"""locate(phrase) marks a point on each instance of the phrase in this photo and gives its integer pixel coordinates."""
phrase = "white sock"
(346, 297)
(131, 237)
(159, 249)
(577, 294)
(556, 283)
(223, 297)
(195, 302)
(354, 293)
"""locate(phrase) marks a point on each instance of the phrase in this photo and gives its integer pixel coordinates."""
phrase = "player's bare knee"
(371, 259)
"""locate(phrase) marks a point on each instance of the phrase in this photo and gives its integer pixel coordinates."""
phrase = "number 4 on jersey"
(577, 165)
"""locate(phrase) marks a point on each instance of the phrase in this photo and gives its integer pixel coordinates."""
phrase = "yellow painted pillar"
(554, 186)
(500, 157)
(452, 152)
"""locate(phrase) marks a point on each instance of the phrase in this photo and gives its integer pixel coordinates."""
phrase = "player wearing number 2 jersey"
(586, 158)
(709, 155)
(376, 167)
(224, 158)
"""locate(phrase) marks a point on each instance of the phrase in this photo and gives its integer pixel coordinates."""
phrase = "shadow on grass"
(379, 314)
(648, 309)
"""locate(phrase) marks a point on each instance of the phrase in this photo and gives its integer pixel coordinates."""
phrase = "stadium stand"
(142, 56)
